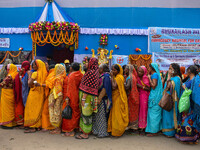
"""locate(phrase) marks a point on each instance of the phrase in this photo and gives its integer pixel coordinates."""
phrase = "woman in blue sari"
(100, 119)
(169, 118)
(188, 129)
(154, 116)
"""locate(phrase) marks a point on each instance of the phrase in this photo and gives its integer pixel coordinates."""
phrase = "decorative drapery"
(141, 60)
(110, 31)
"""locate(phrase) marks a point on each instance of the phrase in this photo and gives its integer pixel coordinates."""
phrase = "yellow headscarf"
(121, 70)
(12, 70)
(41, 71)
(50, 78)
(60, 75)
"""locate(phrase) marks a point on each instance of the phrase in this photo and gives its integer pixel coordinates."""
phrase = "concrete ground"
(16, 140)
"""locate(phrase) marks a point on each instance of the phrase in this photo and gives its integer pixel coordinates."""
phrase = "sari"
(89, 85)
(17, 86)
(144, 96)
(35, 99)
(7, 103)
(56, 96)
(189, 128)
(133, 99)
(74, 80)
(45, 112)
(169, 118)
(154, 115)
(118, 118)
(101, 117)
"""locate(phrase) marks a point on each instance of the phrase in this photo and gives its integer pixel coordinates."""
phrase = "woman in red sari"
(72, 99)
(17, 85)
(133, 96)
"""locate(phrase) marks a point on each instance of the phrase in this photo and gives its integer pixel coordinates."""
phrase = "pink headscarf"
(145, 79)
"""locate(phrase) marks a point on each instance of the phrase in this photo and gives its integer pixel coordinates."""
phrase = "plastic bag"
(67, 112)
(184, 103)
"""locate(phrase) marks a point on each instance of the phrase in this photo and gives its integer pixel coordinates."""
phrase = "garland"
(140, 56)
(10, 55)
(39, 38)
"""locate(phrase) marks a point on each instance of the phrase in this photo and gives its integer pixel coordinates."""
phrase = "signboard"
(164, 60)
(4, 42)
(173, 40)
(120, 59)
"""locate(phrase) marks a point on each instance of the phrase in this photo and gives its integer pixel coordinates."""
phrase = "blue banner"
(182, 40)
(120, 59)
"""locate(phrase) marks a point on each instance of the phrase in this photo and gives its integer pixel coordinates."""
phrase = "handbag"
(67, 112)
(166, 101)
(184, 103)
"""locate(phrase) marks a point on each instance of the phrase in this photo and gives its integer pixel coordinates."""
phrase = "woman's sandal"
(151, 134)
(81, 137)
(69, 134)
(30, 131)
(55, 132)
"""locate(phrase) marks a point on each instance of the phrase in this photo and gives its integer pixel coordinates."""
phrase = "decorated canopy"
(54, 26)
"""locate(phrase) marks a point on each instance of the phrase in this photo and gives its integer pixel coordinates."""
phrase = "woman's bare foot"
(152, 134)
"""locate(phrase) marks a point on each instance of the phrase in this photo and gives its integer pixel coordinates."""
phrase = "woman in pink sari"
(144, 90)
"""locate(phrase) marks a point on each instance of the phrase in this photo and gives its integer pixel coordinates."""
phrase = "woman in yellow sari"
(7, 103)
(35, 100)
(118, 118)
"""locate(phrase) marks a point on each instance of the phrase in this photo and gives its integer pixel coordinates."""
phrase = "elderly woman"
(104, 102)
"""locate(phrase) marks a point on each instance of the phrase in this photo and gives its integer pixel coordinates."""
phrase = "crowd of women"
(104, 101)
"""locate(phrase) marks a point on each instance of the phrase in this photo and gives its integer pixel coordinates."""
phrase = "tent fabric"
(53, 12)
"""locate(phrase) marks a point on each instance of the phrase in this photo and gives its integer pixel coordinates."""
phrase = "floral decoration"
(50, 26)
(188, 130)
(104, 40)
(190, 122)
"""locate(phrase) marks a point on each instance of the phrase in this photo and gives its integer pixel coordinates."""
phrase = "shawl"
(12, 70)
(145, 79)
(90, 81)
(17, 83)
(3, 72)
(60, 75)
(41, 71)
(132, 72)
(156, 94)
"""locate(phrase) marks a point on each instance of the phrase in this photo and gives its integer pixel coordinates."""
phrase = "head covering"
(12, 70)
(41, 71)
(3, 72)
(120, 69)
(132, 72)
(60, 70)
(182, 70)
(145, 79)
(66, 61)
(90, 81)
(26, 66)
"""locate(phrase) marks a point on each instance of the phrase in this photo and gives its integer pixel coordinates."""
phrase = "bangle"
(20, 76)
(83, 99)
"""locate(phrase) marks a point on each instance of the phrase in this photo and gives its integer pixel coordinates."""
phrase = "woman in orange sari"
(7, 103)
(133, 96)
(72, 99)
(35, 100)
(46, 125)
(118, 118)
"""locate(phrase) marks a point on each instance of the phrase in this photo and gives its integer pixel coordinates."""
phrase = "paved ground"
(16, 140)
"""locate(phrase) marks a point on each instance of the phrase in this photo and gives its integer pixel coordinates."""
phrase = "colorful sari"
(89, 85)
(56, 96)
(154, 115)
(68, 125)
(189, 128)
(19, 106)
(45, 112)
(118, 118)
(7, 103)
(35, 99)
(101, 117)
(144, 96)
(169, 118)
(133, 99)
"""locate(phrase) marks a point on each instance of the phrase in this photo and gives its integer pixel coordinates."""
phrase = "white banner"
(165, 59)
(4, 42)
